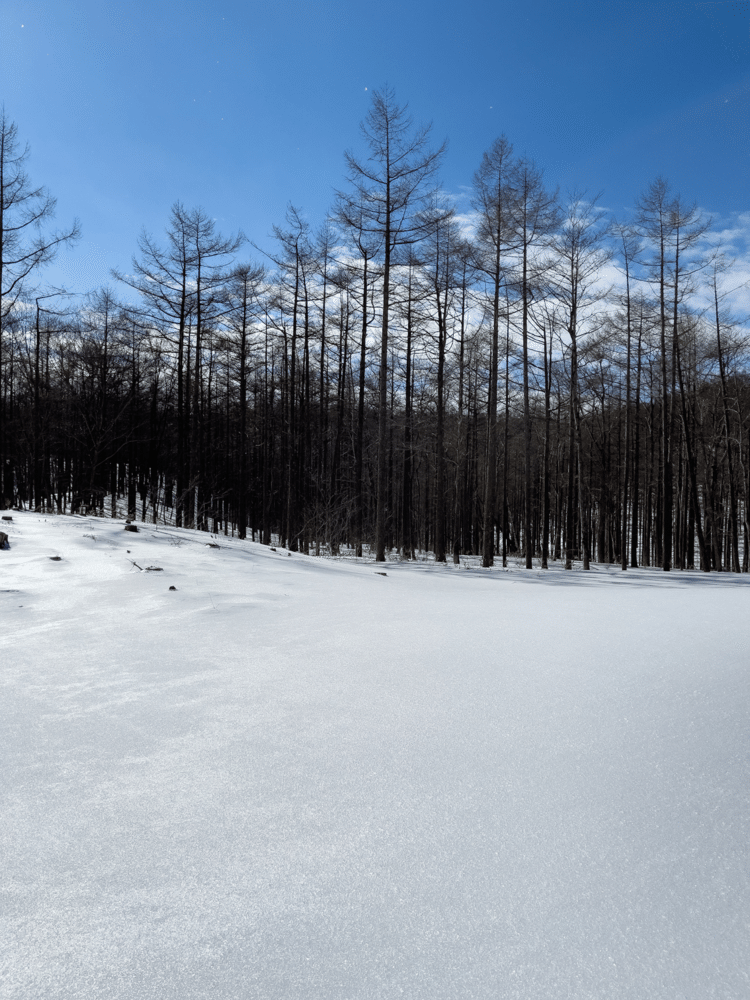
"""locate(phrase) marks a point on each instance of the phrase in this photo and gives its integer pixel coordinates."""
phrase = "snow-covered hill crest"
(296, 778)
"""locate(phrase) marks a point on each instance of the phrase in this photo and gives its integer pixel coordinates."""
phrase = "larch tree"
(721, 323)
(26, 246)
(495, 238)
(296, 264)
(580, 253)
(365, 245)
(627, 252)
(179, 286)
(162, 277)
(388, 189)
(444, 253)
(243, 290)
(535, 217)
(669, 231)
(210, 253)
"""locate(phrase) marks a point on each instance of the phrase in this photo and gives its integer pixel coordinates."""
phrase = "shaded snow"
(294, 778)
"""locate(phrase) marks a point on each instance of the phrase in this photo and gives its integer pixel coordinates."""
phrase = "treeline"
(532, 379)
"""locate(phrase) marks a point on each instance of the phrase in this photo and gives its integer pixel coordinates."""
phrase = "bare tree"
(535, 216)
(446, 249)
(180, 287)
(627, 241)
(580, 254)
(670, 230)
(366, 244)
(25, 248)
(494, 239)
(242, 297)
(388, 191)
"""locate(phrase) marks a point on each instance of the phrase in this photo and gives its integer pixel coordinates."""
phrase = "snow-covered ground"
(295, 778)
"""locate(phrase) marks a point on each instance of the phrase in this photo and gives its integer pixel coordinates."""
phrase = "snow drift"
(298, 778)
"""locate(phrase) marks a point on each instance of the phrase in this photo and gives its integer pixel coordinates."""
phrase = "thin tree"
(535, 218)
(580, 255)
(366, 246)
(670, 230)
(388, 191)
(242, 292)
(728, 438)
(26, 247)
(627, 242)
(494, 239)
(445, 252)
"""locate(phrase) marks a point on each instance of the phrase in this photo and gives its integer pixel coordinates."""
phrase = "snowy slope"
(296, 778)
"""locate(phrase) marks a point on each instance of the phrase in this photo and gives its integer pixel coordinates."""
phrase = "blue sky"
(244, 107)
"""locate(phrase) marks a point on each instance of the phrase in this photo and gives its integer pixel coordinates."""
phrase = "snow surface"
(296, 778)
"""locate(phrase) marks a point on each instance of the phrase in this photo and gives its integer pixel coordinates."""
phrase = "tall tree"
(495, 238)
(180, 287)
(26, 246)
(669, 230)
(388, 191)
(163, 278)
(296, 264)
(728, 436)
(580, 255)
(627, 244)
(365, 245)
(445, 252)
(242, 298)
(210, 254)
(412, 309)
(536, 216)
(460, 535)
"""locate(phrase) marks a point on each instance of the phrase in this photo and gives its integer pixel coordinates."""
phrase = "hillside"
(300, 778)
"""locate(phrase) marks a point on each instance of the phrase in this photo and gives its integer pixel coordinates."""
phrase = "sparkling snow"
(295, 778)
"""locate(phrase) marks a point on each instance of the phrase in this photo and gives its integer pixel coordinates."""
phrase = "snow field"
(295, 778)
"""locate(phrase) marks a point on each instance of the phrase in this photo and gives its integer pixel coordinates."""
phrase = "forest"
(532, 378)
